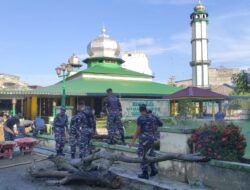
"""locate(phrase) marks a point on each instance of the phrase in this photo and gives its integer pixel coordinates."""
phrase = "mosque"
(129, 76)
(104, 70)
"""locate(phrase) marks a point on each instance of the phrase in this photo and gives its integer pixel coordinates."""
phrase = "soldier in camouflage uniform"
(157, 123)
(145, 131)
(112, 106)
(74, 130)
(60, 126)
(87, 129)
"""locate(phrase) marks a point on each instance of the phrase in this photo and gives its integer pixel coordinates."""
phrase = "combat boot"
(123, 140)
(110, 141)
(144, 175)
(57, 153)
(60, 153)
(153, 172)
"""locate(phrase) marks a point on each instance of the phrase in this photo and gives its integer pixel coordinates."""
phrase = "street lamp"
(63, 71)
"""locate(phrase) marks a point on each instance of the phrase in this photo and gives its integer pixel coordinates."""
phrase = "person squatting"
(112, 106)
(82, 128)
(147, 125)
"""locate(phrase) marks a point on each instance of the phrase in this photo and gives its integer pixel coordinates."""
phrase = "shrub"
(219, 141)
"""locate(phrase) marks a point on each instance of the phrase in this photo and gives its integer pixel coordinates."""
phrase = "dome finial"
(199, 6)
(103, 29)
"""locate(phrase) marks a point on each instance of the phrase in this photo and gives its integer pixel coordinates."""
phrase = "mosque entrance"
(98, 106)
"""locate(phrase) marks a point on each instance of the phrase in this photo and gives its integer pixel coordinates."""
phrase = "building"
(11, 83)
(200, 61)
(219, 80)
(8, 82)
(136, 61)
(104, 70)
(221, 76)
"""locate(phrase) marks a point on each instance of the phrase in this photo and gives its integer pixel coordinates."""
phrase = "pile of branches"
(94, 169)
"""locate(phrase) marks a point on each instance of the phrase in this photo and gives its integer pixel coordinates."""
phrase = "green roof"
(88, 87)
(113, 69)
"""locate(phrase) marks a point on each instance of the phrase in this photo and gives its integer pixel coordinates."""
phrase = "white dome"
(74, 60)
(103, 46)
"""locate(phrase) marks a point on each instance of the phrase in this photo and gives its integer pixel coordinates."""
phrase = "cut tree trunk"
(123, 158)
(101, 178)
(94, 169)
(97, 178)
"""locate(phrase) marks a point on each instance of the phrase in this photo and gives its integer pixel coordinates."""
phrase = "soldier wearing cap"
(112, 106)
(145, 132)
(60, 128)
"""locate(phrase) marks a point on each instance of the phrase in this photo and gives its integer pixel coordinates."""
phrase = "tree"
(241, 82)
(94, 169)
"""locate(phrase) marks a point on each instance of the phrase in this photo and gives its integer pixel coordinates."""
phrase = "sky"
(36, 36)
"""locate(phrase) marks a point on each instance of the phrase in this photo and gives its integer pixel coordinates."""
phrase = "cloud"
(43, 79)
(148, 45)
(232, 15)
(230, 45)
(227, 45)
(171, 2)
(135, 43)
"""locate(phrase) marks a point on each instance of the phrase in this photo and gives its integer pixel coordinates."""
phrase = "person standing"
(157, 123)
(219, 116)
(74, 131)
(60, 128)
(39, 125)
(86, 128)
(112, 106)
(145, 132)
(87, 131)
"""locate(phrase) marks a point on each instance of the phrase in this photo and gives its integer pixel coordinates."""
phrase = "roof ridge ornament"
(104, 30)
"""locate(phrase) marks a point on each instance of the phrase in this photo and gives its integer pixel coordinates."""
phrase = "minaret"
(200, 62)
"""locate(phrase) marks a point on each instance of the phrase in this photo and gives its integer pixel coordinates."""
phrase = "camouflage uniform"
(146, 140)
(157, 123)
(86, 131)
(113, 107)
(74, 132)
(59, 126)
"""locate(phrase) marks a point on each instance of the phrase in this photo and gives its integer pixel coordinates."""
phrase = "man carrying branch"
(146, 133)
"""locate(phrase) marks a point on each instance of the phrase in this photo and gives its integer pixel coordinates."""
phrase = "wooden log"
(123, 158)
(48, 173)
(96, 178)
(62, 164)
(96, 175)
(97, 136)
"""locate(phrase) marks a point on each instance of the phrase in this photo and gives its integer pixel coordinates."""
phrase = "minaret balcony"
(201, 62)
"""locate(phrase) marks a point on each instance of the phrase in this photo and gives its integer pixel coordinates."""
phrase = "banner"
(130, 107)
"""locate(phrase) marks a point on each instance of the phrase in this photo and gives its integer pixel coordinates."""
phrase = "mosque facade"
(104, 70)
